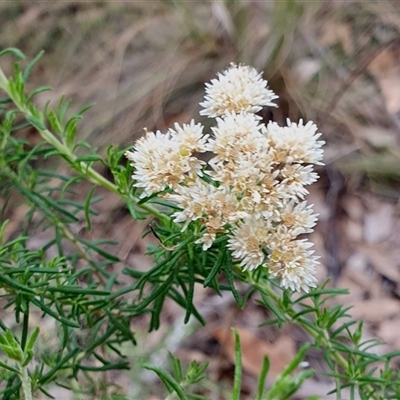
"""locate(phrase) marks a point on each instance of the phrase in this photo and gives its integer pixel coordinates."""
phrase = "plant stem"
(26, 383)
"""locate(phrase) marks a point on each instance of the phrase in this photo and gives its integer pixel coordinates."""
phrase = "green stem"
(320, 333)
(3, 81)
(26, 383)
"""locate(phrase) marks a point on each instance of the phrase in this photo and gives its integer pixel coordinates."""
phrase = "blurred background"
(144, 64)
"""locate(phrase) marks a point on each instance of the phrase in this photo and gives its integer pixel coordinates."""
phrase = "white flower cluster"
(253, 187)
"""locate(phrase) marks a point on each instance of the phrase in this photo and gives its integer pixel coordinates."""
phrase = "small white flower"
(190, 137)
(237, 134)
(293, 179)
(164, 160)
(207, 240)
(296, 143)
(297, 219)
(214, 206)
(293, 263)
(238, 89)
(247, 242)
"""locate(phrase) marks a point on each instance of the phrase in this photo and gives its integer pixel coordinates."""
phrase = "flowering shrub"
(233, 221)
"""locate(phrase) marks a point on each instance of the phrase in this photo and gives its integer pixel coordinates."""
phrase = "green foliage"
(68, 280)
(179, 380)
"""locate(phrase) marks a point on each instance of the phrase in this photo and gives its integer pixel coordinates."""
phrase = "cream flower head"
(296, 143)
(165, 160)
(240, 88)
(252, 187)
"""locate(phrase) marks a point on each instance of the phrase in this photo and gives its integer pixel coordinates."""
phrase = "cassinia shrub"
(229, 212)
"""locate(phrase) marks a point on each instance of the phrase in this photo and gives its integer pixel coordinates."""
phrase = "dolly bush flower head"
(166, 160)
(253, 187)
(238, 89)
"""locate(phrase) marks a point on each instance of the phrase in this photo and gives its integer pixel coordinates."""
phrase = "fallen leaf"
(280, 353)
(378, 223)
(377, 136)
(336, 32)
(389, 332)
(386, 70)
(376, 310)
(383, 263)
(354, 207)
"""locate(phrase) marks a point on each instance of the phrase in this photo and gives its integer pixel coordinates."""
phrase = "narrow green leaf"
(167, 379)
(54, 204)
(305, 311)
(342, 328)
(100, 251)
(73, 290)
(5, 100)
(237, 381)
(38, 91)
(36, 123)
(102, 339)
(319, 292)
(85, 108)
(30, 66)
(190, 292)
(120, 292)
(32, 339)
(60, 365)
(55, 123)
(165, 203)
(16, 285)
(53, 314)
(89, 158)
(107, 367)
(346, 349)
(262, 377)
(70, 131)
(6, 366)
(88, 202)
(197, 396)
(216, 268)
(231, 280)
(46, 393)
(125, 329)
(176, 367)
(179, 299)
(62, 107)
(162, 289)
(15, 52)
(297, 360)
(329, 359)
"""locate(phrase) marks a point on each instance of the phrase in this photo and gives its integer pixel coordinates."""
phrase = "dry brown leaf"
(280, 353)
(354, 207)
(378, 224)
(358, 269)
(377, 136)
(383, 263)
(335, 32)
(356, 291)
(386, 70)
(389, 332)
(354, 230)
(376, 310)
